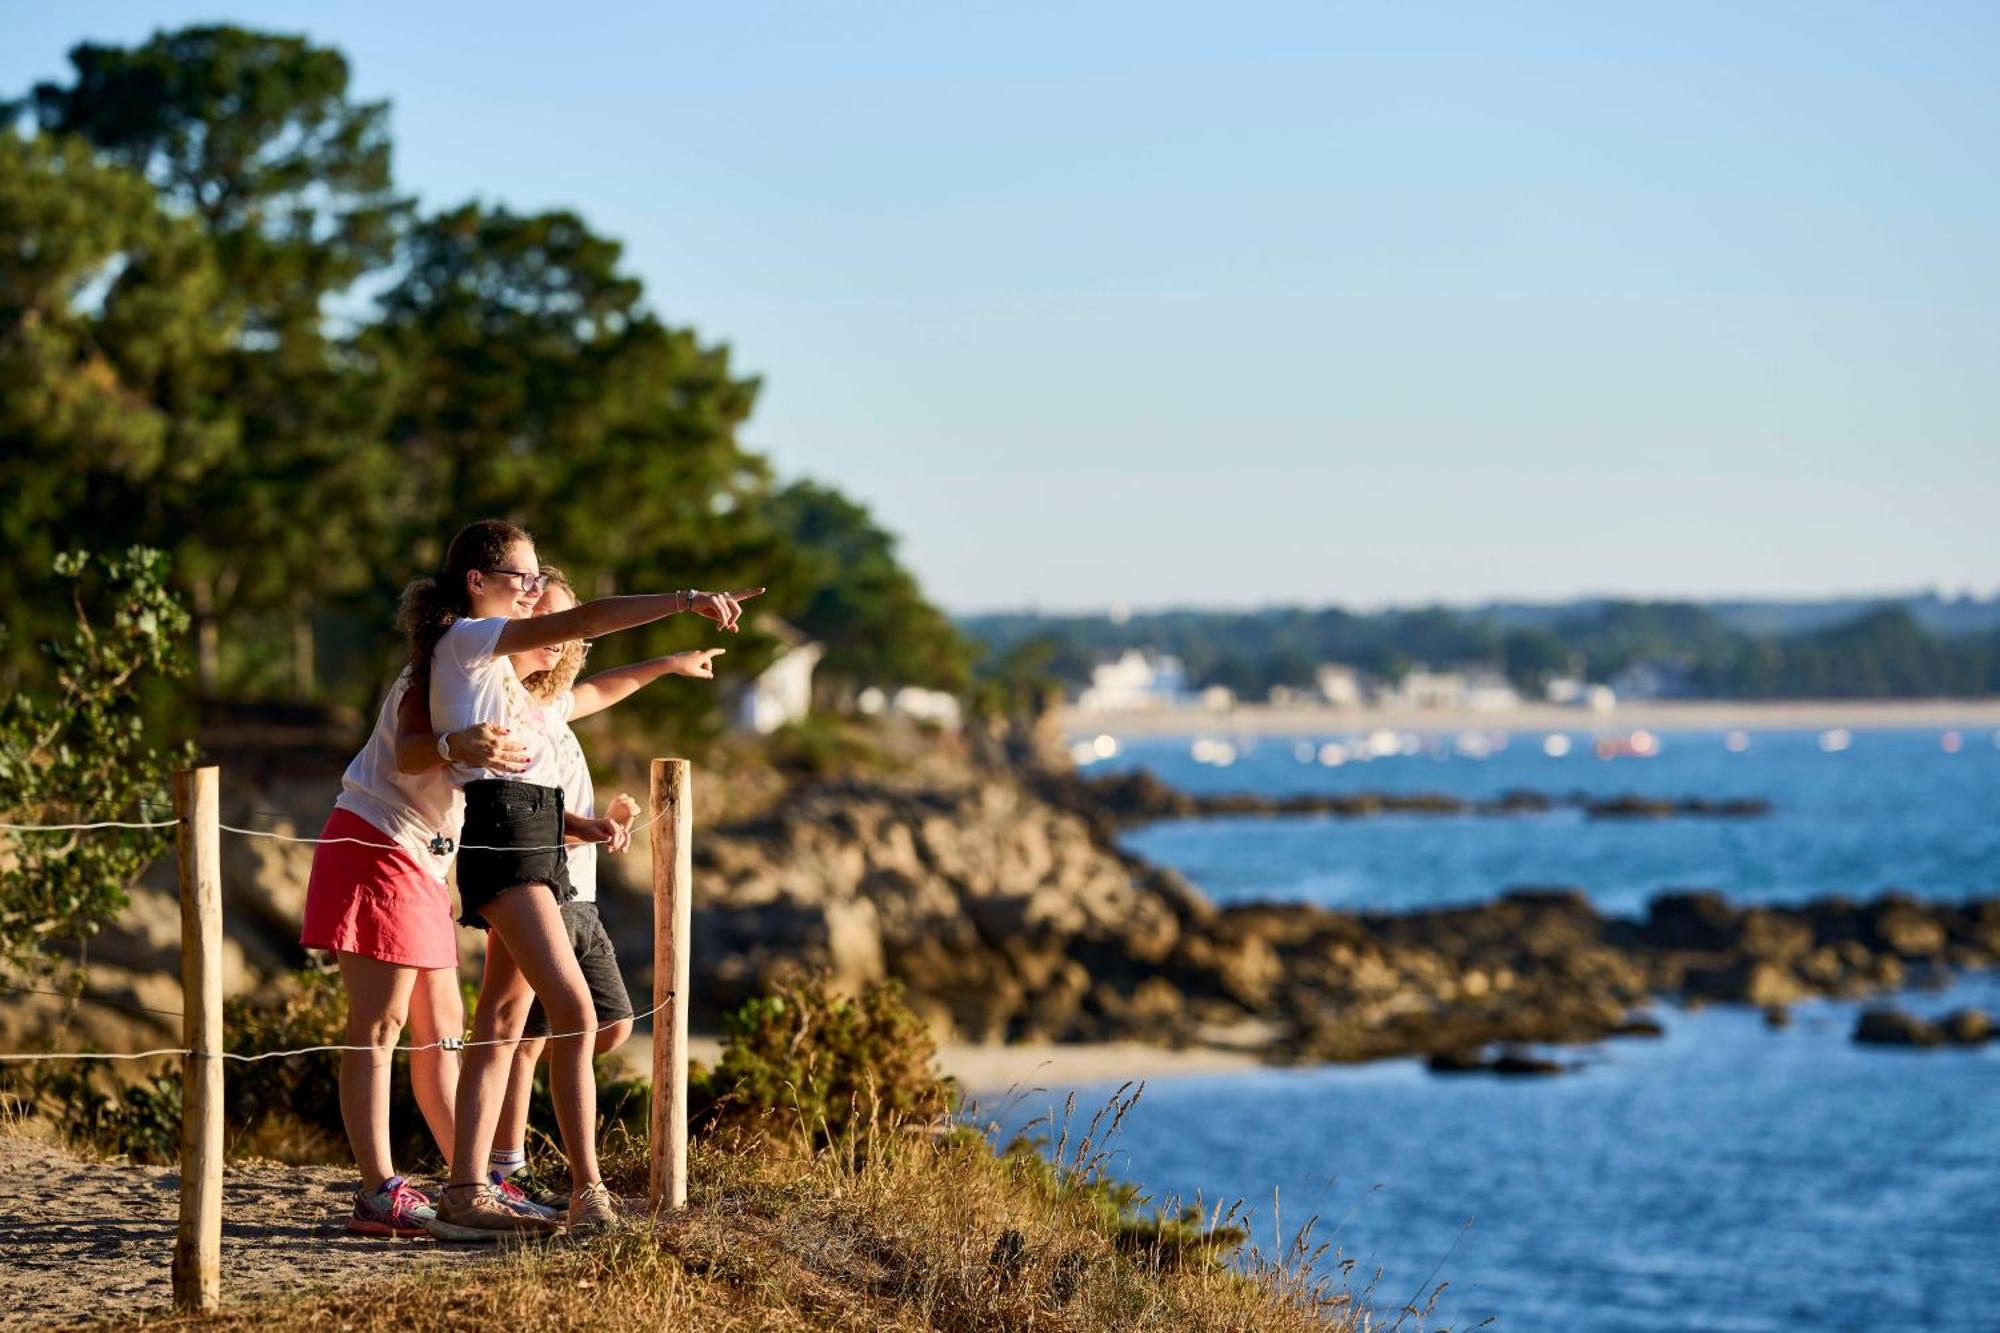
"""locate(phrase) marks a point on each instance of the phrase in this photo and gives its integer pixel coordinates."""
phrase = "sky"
(1158, 304)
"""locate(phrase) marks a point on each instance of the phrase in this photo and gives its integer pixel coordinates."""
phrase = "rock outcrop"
(1008, 914)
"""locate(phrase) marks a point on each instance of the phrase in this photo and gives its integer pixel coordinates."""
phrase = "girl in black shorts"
(463, 627)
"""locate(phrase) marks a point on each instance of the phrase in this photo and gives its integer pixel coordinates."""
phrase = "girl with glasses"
(464, 626)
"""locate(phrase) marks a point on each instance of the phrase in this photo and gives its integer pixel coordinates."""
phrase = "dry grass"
(888, 1230)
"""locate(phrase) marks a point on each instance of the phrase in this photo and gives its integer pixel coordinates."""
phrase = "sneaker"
(592, 1210)
(396, 1209)
(477, 1213)
(518, 1199)
(547, 1196)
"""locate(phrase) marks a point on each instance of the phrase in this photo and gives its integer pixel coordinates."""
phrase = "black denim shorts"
(499, 813)
(599, 962)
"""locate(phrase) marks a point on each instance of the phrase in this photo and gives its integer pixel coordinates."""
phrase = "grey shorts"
(599, 962)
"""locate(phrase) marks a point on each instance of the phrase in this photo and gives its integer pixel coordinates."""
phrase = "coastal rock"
(1520, 1063)
(1457, 1062)
(1752, 981)
(1893, 1027)
(1967, 1027)
(1640, 1025)
(1700, 921)
(1907, 929)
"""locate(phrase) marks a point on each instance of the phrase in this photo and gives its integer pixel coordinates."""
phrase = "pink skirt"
(376, 901)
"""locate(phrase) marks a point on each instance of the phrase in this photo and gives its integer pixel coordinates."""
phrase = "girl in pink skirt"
(378, 901)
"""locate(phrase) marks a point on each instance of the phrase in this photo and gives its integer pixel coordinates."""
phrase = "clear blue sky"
(1284, 302)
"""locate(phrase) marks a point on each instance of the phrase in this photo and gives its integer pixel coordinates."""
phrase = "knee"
(380, 1029)
(612, 1036)
(503, 1018)
(569, 1009)
(529, 1051)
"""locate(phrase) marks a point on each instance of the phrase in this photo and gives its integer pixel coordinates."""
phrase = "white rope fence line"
(448, 846)
(441, 1044)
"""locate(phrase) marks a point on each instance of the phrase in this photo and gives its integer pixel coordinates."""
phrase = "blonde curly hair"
(545, 687)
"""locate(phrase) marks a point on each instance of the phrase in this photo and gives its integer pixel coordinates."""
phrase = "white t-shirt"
(470, 685)
(578, 794)
(412, 808)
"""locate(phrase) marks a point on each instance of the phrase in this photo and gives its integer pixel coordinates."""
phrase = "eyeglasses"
(530, 583)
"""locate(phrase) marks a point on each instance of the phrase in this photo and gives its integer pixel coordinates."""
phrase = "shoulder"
(471, 638)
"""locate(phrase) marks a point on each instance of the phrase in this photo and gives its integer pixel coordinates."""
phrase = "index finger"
(747, 593)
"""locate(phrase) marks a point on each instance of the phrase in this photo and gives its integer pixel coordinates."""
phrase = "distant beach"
(991, 1072)
(1652, 715)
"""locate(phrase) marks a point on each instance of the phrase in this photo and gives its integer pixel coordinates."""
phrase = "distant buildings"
(782, 692)
(1647, 679)
(1339, 685)
(1136, 681)
(934, 707)
(1477, 688)
(1141, 681)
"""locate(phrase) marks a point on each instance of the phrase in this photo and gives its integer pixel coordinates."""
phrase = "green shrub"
(80, 754)
(809, 1062)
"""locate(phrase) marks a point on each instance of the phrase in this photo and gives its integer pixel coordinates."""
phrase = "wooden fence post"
(198, 1248)
(673, 914)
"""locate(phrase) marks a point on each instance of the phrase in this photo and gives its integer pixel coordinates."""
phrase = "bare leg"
(437, 1011)
(531, 924)
(482, 1081)
(513, 1132)
(611, 1036)
(378, 1000)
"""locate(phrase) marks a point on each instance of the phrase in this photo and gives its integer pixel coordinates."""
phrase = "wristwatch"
(444, 746)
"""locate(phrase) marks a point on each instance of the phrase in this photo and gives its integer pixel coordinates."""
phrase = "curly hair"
(432, 604)
(545, 687)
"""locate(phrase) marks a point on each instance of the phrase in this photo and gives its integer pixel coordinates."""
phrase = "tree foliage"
(188, 360)
(81, 755)
(1880, 653)
(858, 599)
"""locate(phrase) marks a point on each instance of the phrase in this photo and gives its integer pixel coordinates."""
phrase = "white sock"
(506, 1161)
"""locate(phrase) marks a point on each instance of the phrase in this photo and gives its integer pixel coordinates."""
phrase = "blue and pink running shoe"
(517, 1201)
(397, 1209)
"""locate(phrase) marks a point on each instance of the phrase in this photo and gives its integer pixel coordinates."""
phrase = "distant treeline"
(226, 333)
(1881, 653)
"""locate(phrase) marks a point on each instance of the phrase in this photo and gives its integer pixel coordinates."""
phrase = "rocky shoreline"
(1009, 913)
(1138, 797)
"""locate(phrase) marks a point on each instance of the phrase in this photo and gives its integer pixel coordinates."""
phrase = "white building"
(1137, 680)
(1423, 688)
(1339, 685)
(1487, 691)
(782, 692)
(935, 707)
(1651, 680)
(1565, 690)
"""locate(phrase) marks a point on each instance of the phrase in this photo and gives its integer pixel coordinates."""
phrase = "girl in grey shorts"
(549, 675)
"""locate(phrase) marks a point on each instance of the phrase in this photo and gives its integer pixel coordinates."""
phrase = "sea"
(1730, 1176)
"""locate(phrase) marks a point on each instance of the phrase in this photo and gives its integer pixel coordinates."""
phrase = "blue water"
(1727, 1177)
(1894, 810)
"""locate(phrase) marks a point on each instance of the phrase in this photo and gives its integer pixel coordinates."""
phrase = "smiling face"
(504, 589)
(547, 672)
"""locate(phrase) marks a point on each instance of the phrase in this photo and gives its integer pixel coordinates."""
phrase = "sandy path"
(82, 1240)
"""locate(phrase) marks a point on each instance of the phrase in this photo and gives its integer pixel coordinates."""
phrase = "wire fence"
(440, 845)
(441, 1044)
